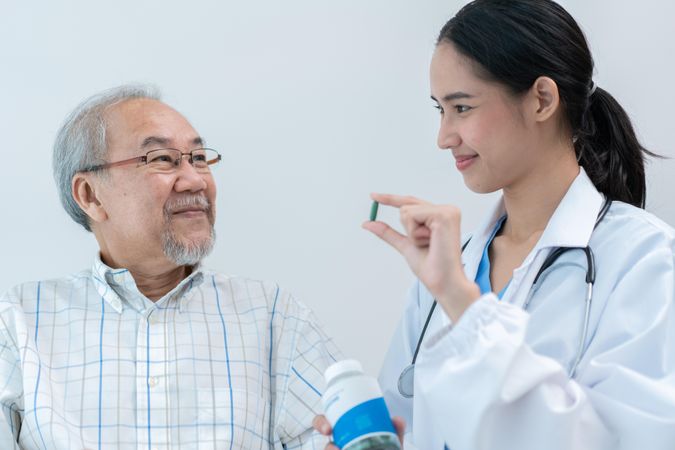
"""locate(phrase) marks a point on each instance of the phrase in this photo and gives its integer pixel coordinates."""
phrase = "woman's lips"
(463, 162)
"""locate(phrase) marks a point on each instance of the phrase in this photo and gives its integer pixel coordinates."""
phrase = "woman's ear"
(546, 98)
(84, 193)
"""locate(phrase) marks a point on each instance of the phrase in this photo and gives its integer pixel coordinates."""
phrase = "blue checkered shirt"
(219, 362)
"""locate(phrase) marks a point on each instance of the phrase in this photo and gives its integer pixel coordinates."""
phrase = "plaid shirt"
(220, 362)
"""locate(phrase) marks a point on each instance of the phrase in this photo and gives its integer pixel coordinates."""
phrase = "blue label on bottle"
(367, 417)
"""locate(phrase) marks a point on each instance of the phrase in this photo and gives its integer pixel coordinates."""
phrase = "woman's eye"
(439, 108)
(462, 108)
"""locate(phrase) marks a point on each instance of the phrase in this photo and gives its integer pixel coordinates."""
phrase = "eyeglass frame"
(144, 159)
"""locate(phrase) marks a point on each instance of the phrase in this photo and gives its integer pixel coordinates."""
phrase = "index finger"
(396, 200)
(321, 424)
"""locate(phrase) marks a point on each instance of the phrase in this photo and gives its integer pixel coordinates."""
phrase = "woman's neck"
(531, 202)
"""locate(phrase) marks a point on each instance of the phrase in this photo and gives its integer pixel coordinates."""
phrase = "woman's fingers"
(320, 424)
(421, 236)
(425, 214)
(388, 235)
(418, 233)
(420, 221)
(399, 424)
(396, 200)
(432, 249)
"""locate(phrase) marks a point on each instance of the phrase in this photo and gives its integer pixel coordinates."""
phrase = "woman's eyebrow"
(454, 96)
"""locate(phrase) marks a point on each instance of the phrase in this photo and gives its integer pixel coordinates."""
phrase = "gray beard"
(186, 253)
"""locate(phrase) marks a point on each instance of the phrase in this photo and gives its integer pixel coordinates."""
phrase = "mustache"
(187, 201)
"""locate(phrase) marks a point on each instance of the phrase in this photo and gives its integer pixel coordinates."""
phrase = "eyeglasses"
(167, 160)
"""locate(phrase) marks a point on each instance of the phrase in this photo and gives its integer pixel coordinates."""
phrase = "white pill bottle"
(354, 406)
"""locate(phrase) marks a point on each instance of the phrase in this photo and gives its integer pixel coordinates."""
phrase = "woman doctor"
(568, 361)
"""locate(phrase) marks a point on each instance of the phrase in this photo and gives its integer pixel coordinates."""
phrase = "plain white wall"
(313, 104)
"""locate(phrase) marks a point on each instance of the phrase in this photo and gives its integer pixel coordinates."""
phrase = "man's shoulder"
(33, 291)
(237, 285)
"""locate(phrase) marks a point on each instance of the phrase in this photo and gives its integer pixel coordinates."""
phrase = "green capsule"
(373, 211)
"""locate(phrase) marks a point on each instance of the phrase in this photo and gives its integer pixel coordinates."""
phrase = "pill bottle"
(354, 406)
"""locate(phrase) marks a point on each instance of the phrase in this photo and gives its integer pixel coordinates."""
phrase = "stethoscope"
(407, 377)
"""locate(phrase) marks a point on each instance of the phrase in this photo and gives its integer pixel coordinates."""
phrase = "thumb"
(392, 237)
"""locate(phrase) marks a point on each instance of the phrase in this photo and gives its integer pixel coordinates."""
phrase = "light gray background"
(314, 105)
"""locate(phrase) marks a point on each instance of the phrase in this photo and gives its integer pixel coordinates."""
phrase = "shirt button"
(153, 381)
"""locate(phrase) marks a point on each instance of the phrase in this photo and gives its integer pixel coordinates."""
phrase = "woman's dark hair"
(515, 42)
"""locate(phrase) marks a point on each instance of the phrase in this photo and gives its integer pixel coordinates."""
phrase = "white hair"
(81, 141)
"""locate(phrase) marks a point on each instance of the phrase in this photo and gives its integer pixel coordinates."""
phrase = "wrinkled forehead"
(138, 125)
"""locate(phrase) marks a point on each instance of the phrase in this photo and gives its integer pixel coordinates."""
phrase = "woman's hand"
(432, 249)
(320, 424)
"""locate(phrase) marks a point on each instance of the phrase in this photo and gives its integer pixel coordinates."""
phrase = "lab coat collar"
(571, 224)
(574, 219)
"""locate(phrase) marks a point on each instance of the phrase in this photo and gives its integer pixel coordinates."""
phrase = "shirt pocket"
(232, 416)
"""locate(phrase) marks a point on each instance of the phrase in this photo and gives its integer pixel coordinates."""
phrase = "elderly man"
(148, 349)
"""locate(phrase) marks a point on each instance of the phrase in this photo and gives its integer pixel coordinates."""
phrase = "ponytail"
(609, 151)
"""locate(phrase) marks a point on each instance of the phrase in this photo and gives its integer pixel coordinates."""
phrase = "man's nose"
(188, 177)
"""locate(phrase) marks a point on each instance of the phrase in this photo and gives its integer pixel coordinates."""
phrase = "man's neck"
(153, 278)
(155, 285)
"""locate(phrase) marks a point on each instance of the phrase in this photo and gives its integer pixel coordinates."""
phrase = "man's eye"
(161, 159)
(462, 108)
(199, 158)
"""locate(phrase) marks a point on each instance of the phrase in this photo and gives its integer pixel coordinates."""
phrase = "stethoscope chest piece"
(406, 381)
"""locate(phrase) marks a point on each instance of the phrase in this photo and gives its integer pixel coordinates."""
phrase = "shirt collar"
(117, 287)
(571, 224)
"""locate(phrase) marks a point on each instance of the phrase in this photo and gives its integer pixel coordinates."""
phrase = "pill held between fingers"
(373, 210)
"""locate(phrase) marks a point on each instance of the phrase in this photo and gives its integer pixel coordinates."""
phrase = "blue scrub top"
(483, 274)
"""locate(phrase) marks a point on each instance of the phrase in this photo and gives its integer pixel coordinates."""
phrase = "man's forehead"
(161, 141)
(149, 122)
(135, 108)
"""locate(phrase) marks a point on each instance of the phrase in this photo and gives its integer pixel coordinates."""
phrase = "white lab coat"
(499, 378)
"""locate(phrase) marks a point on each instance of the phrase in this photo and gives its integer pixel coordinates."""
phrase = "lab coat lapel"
(571, 225)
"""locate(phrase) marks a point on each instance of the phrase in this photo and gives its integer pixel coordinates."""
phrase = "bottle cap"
(342, 367)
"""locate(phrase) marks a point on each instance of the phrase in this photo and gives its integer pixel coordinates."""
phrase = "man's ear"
(84, 193)
(545, 98)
